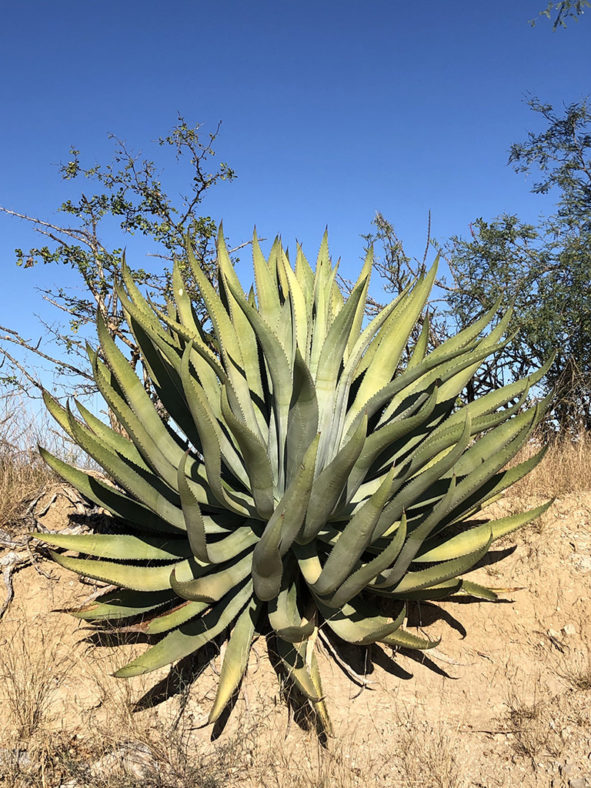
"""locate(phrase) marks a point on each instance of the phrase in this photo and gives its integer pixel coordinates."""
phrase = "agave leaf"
(235, 659)
(227, 338)
(440, 440)
(333, 391)
(404, 639)
(494, 486)
(424, 374)
(387, 356)
(285, 329)
(328, 486)
(455, 384)
(418, 378)
(467, 335)
(120, 546)
(495, 440)
(165, 378)
(135, 394)
(359, 622)
(353, 541)
(279, 370)
(298, 306)
(146, 440)
(482, 592)
(213, 441)
(291, 509)
(107, 496)
(267, 566)
(360, 352)
(319, 706)
(361, 578)
(484, 470)
(416, 487)
(323, 278)
(334, 345)
(469, 540)
(135, 293)
(122, 603)
(420, 349)
(366, 347)
(293, 656)
(206, 411)
(147, 488)
(283, 528)
(365, 277)
(433, 593)
(191, 636)
(244, 333)
(416, 538)
(284, 615)
(225, 332)
(184, 305)
(113, 439)
(192, 514)
(164, 622)
(208, 365)
(266, 286)
(424, 578)
(302, 423)
(397, 429)
(138, 578)
(215, 584)
(256, 460)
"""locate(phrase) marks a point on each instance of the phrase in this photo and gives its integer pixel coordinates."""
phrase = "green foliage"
(129, 194)
(562, 155)
(302, 479)
(564, 10)
(545, 270)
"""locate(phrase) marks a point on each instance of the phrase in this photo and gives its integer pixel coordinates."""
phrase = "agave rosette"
(304, 476)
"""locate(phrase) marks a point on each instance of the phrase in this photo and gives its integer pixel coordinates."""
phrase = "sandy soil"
(504, 700)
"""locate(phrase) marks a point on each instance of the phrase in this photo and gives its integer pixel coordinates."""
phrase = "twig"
(9, 562)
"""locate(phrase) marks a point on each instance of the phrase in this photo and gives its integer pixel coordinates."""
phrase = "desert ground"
(504, 700)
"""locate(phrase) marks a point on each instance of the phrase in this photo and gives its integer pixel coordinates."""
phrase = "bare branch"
(16, 339)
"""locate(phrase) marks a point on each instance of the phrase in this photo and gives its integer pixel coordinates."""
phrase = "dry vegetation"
(504, 703)
(566, 468)
(22, 472)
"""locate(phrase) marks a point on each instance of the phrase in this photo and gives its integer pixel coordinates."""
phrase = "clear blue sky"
(331, 111)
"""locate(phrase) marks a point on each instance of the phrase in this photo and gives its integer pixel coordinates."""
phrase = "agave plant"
(310, 472)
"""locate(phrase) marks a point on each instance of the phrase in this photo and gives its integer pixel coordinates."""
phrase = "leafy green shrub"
(305, 476)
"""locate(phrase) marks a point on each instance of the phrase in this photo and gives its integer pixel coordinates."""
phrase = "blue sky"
(330, 112)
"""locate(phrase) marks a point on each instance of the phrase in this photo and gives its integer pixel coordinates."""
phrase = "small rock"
(553, 633)
(569, 769)
(578, 782)
(569, 629)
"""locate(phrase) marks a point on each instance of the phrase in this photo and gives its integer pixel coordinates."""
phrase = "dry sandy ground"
(504, 701)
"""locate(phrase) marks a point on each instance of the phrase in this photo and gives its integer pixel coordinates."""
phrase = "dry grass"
(428, 754)
(310, 765)
(528, 719)
(23, 474)
(542, 725)
(564, 469)
(106, 745)
(576, 669)
(33, 666)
